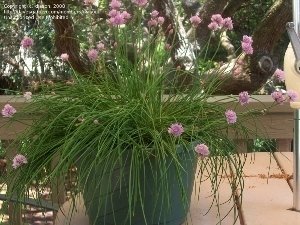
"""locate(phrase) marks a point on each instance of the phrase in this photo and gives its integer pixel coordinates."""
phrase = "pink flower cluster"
(279, 75)
(195, 20)
(154, 14)
(176, 129)
(64, 57)
(244, 98)
(202, 149)
(155, 19)
(92, 54)
(115, 4)
(116, 16)
(18, 161)
(140, 3)
(218, 22)
(290, 96)
(26, 42)
(278, 97)
(101, 46)
(230, 116)
(247, 45)
(8, 111)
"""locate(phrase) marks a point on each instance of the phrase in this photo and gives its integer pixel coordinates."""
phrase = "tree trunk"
(65, 37)
(232, 7)
(262, 64)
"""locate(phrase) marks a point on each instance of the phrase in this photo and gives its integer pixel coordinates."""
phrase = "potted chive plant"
(134, 135)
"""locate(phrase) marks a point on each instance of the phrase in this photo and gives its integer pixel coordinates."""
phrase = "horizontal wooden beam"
(276, 123)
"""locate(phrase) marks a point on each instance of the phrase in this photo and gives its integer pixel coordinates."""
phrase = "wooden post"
(284, 145)
(57, 187)
(14, 209)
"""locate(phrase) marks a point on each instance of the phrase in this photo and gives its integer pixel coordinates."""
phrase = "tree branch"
(209, 8)
(225, 42)
(232, 7)
(272, 25)
(16, 65)
(261, 65)
(65, 37)
(182, 50)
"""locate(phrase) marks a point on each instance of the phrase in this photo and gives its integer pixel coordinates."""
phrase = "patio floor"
(267, 196)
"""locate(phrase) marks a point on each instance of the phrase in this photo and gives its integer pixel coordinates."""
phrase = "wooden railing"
(275, 123)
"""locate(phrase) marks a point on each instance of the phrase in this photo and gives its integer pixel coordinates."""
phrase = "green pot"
(107, 203)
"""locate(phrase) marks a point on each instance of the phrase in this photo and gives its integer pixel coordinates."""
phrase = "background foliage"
(18, 73)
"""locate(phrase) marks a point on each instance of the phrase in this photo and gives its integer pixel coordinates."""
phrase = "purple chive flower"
(117, 17)
(176, 129)
(202, 149)
(101, 46)
(27, 95)
(117, 20)
(218, 19)
(140, 3)
(18, 161)
(27, 42)
(247, 39)
(244, 98)
(64, 57)
(195, 20)
(230, 116)
(115, 4)
(292, 95)
(154, 14)
(92, 55)
(152, 23)
(213, 26)
(160, 20)
(247, 48)
(126, 15)
(227, 23)
(247, 45)
(8, 111)
(279, 74)
(113, 13)
(278, 97)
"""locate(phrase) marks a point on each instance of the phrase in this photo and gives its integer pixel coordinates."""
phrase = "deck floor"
(267, 197)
